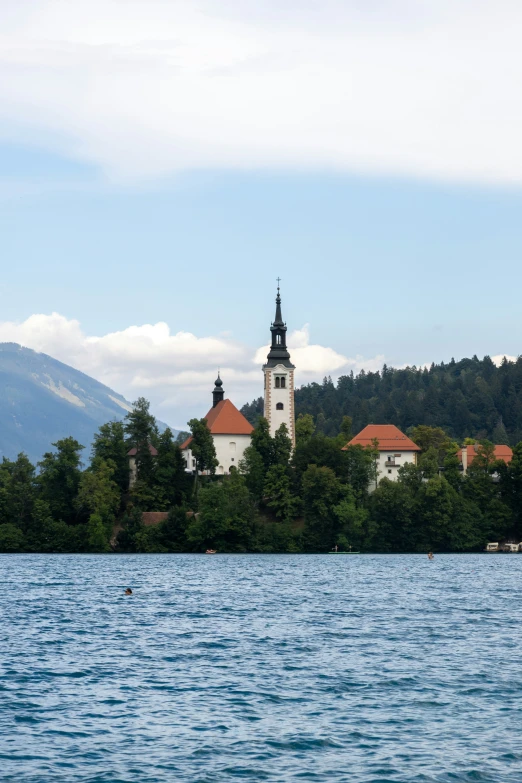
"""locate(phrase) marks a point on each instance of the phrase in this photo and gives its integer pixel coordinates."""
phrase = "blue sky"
(396, 248)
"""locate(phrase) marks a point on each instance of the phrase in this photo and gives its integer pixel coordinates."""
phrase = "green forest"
(472, 398)
(309, 499)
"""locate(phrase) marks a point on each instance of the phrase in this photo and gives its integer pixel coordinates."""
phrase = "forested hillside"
(308, 499)
(470, 398)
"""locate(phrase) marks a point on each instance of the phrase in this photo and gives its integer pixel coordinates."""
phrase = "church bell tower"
(279, 378)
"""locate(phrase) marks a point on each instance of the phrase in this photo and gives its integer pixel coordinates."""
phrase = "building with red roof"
(394, 447)
(467, 454)
(230, 431)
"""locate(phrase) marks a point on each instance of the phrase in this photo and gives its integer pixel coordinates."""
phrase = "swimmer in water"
(128, 591)
(430, 555)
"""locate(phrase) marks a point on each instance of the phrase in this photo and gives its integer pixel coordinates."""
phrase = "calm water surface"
(262, 668)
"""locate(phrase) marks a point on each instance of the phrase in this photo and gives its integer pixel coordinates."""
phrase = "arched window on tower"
(278, 382)
(280, 406)
(278, 339)
(283, 382)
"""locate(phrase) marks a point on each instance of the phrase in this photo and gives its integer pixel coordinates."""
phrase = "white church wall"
(230, 450)
(389, 463)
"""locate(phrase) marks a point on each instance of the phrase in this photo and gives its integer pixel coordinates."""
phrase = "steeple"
(278, 353)
(219, 393)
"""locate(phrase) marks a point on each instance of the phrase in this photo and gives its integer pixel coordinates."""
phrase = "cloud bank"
(175, 371)
(145, 88)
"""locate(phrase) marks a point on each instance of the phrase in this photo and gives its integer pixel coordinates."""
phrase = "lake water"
(260, 668)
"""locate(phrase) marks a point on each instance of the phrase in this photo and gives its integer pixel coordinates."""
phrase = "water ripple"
(372, 669)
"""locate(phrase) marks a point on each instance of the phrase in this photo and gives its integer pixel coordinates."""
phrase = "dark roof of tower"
(278, 321)
(278, 353)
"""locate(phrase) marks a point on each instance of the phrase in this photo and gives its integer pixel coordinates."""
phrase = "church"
(230, 430)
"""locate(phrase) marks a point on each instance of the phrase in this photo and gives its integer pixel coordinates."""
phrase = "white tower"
(279, 378)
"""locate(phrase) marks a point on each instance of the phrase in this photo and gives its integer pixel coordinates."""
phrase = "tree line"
(307, 499)
(470, 398)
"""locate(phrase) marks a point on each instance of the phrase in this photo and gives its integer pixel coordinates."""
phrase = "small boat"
(211, 551)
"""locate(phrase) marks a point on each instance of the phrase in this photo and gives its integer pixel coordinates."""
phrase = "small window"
(231, 459)
(232, 445)
(280, 406)
(283, 383)
(278, 382)
(278, 339)
(389, 471)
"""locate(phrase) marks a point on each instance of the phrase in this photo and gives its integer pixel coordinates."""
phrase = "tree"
(282, 446)
(225, 518)
(435, 438)
(321, 492)
(435, 514)
(59, 479)
(203, 449)
(174, 530)
(132, 525)
(429, 463)
(346, 429)
(393, 509)
(98, 494)
(96, 534)
(253, 468)
(17, 491)
(352, 520)
(263, 443)
(12, 539)
(304, 427)
(170, 479)
(109, 446)
(278, 493)
(452, 470)
(142, 433)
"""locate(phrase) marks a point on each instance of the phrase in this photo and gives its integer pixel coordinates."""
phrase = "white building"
(394, 447)
(230, 430)
(279, 379)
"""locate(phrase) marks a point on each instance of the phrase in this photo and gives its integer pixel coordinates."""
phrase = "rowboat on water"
(211, 551)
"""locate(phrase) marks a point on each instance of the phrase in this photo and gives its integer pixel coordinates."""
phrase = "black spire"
(278, 351)
(278, 317)
(219, 393)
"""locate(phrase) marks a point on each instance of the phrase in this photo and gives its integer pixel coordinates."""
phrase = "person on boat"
(430, 555)
(128, 591)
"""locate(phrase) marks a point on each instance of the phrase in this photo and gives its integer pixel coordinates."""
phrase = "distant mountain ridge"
(43, 400)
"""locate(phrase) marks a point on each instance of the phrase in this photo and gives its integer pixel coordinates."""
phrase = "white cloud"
(175, 371)
(501, 356)
(144, 88)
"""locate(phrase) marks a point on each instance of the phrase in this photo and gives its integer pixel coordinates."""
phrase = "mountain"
(469, 398)
(42, 400)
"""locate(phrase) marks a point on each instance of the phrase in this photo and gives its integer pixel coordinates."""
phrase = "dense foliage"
(470, 398)
(279, 500)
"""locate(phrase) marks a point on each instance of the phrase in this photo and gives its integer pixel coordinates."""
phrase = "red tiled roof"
(225, 419)
(504, 453)
(134, 451)
(389, 436)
